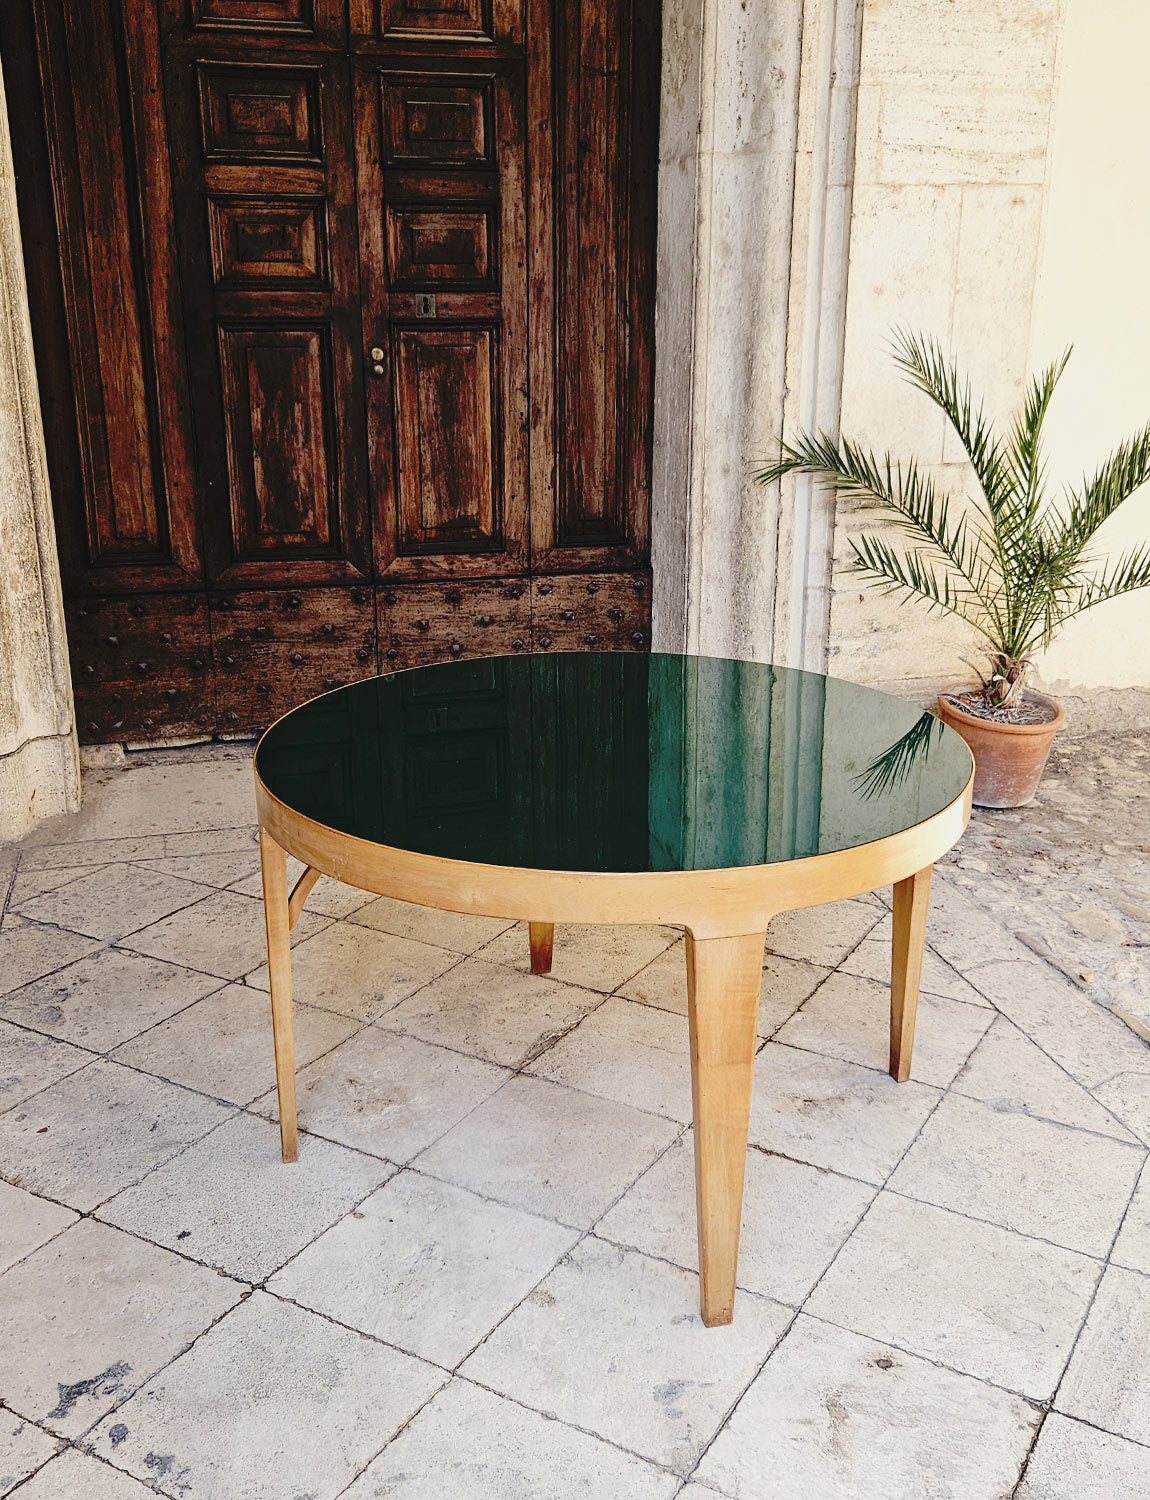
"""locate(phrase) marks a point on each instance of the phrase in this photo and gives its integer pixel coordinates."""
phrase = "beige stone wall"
(999, 204)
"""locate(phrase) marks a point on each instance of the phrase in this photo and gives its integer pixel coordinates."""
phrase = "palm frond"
(1126, 574)
(1126, 470)
(904, 492)
(927, 367)
(891, 768)
(916, 575)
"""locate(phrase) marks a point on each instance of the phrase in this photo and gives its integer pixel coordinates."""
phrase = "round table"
(629, 788)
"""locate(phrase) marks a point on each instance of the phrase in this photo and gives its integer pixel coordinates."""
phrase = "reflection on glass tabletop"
(611, 761)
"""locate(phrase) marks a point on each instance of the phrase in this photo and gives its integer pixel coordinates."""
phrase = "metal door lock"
(425, 305)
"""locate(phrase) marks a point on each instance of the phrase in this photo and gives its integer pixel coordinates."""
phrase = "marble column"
(39, 760)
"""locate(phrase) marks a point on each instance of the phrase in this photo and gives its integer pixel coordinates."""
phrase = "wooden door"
(348, 315)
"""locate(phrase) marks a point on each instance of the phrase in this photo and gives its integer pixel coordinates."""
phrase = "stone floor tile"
(599, 958)
(457, 930)
(388, 1093)
(648, 1375)
(1132, 1247)
(1108, 1381)
(489, 1010)
(27, 1222)
(29, 1063)
(218, 870)
(834, 1114)
(29, 883)
(1012, 1075)
(834, 1416)
(223, 934)
(849, 1018)
(1002, 1167)
(231, 1202)
(963, 934)
(358, 972)
(79, 1476)
(628, 1052)
(106, 998)
(272, 1402)
(972, 1296)
(98, 1130)
(222, 1045)
(795, 1218)
(871, 960)
(181, 796)
(469, 1444)
(29, 951)
(1127, 1096)
(425, 1266)
(1074, 1462)
(549, 1150)
(328, 898)
(1090, 1043)
(89, 1316)
(786, 984)
(822, 934)
(76, 854)
(243, 839)
(113, 900)
(23, 1448)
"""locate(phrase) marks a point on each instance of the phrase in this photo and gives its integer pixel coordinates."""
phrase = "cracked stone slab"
(1072, 1461)
(977, 1298)
(1012, 1075)
(426, 1266)
(106, 998)
(271, 1402)
(1000, 1166)
(655, 1381)
(1108, 1379)
(231, 1202)
(99, 1130)
(113, 901)
(549, 1150)
(491, 1011)
(222, 935)
(75, 1474)
(88, 1317)
(29, 951)
(849, 1018)
(26, 1223)
(469, 1444)
(835, 1416)
(29, 1063)
(23, 1448)
(457, 930)
(598, 958)
(822, 934)
(834, 1114)
(1132, 1247)
(795, 1218)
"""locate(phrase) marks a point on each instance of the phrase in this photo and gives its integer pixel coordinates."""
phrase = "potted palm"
(1015, 564)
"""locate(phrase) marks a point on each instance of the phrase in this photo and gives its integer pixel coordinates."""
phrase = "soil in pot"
(1009, 751)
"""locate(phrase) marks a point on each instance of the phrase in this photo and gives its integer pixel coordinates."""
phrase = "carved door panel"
(442, 210)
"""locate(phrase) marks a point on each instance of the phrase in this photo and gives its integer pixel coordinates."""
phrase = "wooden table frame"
(725, 915)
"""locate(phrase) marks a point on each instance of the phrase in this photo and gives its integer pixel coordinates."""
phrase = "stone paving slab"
(496, 1169)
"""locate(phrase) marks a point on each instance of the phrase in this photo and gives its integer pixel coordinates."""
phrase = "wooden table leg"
(723, 980)
(911, 899)
(542, 946)
(273, 863)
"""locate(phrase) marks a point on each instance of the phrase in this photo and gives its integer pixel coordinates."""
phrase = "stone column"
(39, 760)
(756, 142)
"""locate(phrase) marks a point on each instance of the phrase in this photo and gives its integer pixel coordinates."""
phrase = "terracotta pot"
(1008, 758)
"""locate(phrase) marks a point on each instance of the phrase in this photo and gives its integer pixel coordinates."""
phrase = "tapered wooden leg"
(723, 979)
(273, 863)
(542, 945)
(911, 899)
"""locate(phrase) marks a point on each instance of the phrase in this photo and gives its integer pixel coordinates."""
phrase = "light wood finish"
(911, 900)
(723, 980)
(725, 914)
(542, 946)
(299, 894)
(273, 864)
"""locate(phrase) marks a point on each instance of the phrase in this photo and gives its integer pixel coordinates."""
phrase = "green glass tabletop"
(611, 761)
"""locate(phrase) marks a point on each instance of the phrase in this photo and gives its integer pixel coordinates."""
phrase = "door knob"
(376, 353)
